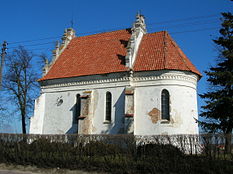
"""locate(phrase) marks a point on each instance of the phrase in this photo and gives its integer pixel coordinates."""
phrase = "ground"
(18, 169)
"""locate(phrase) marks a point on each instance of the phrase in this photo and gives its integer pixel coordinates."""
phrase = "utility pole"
(3, 54)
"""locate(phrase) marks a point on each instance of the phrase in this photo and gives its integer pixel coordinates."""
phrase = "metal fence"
(212, 145)
(121, 153)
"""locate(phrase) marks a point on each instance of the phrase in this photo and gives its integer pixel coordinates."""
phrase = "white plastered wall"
(52, 118)
(61, 119)
(37, 121)
(100, 126)
(183, 106)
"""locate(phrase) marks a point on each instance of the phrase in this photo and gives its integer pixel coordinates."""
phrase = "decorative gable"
(129, 50)
(138, 30)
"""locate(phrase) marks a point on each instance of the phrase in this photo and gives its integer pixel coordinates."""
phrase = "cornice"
(88, 82)
(179, 77)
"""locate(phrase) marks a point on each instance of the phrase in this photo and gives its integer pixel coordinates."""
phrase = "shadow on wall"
(74, 126)
(117, 125)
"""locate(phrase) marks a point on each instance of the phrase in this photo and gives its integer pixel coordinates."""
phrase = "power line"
(102, 31)
(188, 31)
(108, 40)
(184, 19)
(34, 40)
(163, 22)
(45, 48)
(187, 24)
(38, 44)
(33, 45)
(105, 40)
(118, 28)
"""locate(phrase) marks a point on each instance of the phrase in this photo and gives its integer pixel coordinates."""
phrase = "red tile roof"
(158, 51)
(104, 53)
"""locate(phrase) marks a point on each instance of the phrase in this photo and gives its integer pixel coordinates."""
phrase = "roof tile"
(104, 53)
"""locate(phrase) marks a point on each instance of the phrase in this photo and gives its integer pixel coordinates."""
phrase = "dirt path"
(17, 169)
(14, 172)
(46, 172)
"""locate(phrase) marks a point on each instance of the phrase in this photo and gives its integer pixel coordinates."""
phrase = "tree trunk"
(23, 122)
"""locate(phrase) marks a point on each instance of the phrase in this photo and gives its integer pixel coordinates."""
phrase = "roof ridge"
(103, 32)
(114, 31)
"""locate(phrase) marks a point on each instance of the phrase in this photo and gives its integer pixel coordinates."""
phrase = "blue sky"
(192, 24)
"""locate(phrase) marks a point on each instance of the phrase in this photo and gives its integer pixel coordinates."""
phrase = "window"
(78, 105)
(165, 106)
(108, 106)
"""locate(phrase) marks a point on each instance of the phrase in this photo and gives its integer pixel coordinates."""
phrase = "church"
(120, 82)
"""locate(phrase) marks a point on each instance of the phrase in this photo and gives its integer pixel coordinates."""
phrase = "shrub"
(159, 151)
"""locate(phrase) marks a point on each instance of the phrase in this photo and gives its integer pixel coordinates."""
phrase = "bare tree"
(19, 81)
(2, 116)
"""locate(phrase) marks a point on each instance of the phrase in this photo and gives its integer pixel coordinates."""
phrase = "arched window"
(108, 106)
(78, 106)
(165, 104)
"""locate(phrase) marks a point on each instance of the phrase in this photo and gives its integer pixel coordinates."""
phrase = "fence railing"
(213, 145)
(76, 151)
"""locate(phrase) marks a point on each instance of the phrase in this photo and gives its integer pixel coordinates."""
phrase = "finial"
(139, 23)
(131, 73)
(57, 44)
(68, 35)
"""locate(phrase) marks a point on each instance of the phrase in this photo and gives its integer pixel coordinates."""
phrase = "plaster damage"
(85, 121)
(129, 111)
(154, 115)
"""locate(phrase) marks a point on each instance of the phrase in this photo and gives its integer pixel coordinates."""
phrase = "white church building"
(119, 82)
